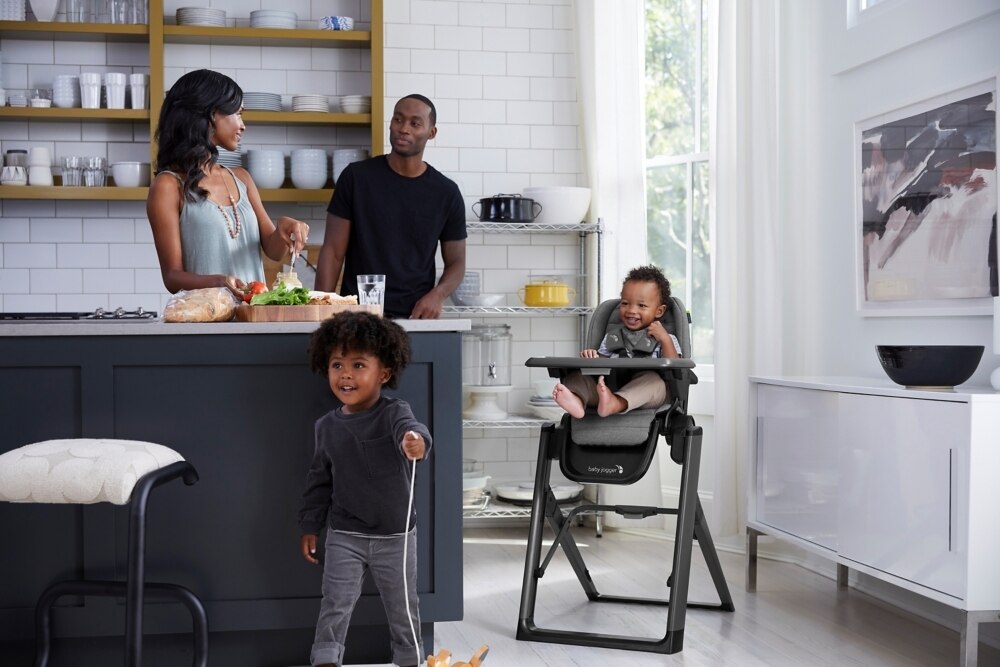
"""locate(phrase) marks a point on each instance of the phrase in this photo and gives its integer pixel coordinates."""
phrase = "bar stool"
(84, 471)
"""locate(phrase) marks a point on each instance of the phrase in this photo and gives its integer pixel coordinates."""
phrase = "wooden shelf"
(77, 32)
(60, 192)
(113, 193)
(36, 113)
(191, 34)
(306, 118)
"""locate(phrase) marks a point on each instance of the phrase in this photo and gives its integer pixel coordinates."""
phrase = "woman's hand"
(235, 286)
(294, 233)
(308, 547)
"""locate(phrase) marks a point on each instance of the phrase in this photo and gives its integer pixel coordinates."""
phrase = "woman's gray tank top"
(206, 245)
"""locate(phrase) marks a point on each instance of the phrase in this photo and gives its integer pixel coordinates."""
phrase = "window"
(677, 183)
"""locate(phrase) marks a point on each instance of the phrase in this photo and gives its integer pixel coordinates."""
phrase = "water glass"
(114, 84)
(371, 290)
(79, 11)
(95, 171)
(137, 85)
(90, 90)
(120, 11)
(72, 171)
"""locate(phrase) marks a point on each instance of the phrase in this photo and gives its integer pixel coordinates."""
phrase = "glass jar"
(486, 355)
(291, 280)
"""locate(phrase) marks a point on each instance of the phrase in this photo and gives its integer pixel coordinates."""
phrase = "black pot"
(507, 208)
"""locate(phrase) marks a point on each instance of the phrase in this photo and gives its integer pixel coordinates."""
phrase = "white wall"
(832, 77)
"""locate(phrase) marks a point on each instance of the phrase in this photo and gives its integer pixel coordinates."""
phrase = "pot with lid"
(547, 292)
(507, 208)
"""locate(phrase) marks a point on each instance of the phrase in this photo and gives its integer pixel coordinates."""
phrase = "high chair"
(618, 450)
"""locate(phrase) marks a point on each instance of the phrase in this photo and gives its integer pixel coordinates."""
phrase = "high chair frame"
(623, 457)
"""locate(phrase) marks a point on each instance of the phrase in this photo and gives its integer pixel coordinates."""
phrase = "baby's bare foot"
(608, 402)
(568, 401)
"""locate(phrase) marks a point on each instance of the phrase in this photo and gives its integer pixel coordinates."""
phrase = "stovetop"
(116, 315)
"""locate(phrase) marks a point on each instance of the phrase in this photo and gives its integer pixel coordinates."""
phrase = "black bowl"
(929, 365)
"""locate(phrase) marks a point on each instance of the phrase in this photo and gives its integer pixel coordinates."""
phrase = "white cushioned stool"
(83, 471)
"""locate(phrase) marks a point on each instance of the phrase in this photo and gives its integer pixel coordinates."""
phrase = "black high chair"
(618, 450)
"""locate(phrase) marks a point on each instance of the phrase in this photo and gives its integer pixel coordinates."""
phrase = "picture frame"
(926, 206)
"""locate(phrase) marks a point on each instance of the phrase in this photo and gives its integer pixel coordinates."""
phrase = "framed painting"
(927, 206)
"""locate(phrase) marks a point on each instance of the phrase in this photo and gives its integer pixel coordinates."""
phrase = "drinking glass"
(371, 290)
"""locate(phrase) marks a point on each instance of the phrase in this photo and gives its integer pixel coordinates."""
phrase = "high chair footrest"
(636, 511)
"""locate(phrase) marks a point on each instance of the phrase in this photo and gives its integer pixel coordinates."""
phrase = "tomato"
(255, 287)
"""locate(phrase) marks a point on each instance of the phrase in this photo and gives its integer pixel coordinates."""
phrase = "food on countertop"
(253, 288)
(282, 295)
(317, 298)
(211, 304)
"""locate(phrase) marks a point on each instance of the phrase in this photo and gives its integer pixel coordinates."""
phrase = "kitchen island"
(238, 401)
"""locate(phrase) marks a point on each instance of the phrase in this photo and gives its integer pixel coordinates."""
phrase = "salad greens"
(282, 296)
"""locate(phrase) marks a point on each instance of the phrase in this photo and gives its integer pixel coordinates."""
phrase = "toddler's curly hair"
(351, 331)
(650, 274)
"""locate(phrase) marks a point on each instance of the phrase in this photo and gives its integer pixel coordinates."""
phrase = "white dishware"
(130, 174)
(343, 157)
(14, 175)
(561, 204)
(90, 90)
(44, 10)
(266, 167)
(38, 175)
(114, 83)
(39, 156)
(137, 86)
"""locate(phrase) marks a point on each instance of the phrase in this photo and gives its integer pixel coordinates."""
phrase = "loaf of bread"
(211, 304)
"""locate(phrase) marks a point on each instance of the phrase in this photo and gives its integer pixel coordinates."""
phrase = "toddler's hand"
(413, 446)
(589, 354)
(308, 547)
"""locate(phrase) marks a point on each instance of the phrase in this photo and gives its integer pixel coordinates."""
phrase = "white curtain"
(747, 233)
(610, 73)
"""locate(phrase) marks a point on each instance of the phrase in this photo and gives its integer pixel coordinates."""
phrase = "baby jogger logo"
(601, 470)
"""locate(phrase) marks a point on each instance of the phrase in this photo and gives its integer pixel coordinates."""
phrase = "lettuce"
(282, 296)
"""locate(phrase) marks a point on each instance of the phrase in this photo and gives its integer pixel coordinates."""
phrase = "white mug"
(39, 156)
(39, 175)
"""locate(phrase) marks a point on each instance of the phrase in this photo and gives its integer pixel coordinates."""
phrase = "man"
(389, 213)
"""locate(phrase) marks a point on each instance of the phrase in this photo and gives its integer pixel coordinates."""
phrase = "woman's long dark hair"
(185, 122)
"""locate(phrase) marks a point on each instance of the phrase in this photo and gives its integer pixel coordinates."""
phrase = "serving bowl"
(929, 366)
(130, 174)
(560, 204)
(477, 300)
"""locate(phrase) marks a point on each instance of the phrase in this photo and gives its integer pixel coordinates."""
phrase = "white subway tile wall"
(502, 74)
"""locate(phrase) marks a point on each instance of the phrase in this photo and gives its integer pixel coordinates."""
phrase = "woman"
(208, 221)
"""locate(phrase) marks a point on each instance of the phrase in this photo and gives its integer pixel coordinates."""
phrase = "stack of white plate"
(201, 16)
(356, 103)
(309, 168)
(262, 101)
(228, 158)
(66, 91)
(272, 18)
(343, 157)
(17, 98)
(310, 103)
(545, 407)
(266, 167)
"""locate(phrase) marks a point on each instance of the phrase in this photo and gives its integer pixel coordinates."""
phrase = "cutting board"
(247, 313)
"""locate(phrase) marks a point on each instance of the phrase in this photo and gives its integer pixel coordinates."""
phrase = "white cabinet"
(900, 484)
(797, 463)
(902, 464)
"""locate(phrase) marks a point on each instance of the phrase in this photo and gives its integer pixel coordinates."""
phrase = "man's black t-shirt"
(396, 224)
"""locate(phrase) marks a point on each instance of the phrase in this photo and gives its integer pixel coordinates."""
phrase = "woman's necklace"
(232, 225)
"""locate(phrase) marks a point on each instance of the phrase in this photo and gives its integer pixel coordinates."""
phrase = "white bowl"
(561, 204)
(130, 174)
(551, 414)
(478, 300)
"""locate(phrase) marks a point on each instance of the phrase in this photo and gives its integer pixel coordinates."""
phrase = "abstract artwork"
(928, 207)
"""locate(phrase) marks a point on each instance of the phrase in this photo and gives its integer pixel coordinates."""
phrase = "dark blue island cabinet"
(238, 401)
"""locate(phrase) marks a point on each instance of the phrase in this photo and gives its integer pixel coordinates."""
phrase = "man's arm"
(331, 256)
(429, 305)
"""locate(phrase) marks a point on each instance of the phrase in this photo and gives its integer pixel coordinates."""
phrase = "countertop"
(881, 386)
(160, 328)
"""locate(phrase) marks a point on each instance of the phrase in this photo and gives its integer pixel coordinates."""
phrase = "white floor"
(795, 618)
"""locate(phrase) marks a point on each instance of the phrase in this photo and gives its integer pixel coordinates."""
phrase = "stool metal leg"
(134, 588)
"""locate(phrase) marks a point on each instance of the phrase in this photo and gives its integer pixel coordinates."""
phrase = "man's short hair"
(425, 100)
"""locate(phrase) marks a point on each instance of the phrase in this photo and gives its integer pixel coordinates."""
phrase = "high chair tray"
(604, 365)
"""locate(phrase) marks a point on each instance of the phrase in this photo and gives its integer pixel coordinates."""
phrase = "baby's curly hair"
(361, 332)
(650, 274)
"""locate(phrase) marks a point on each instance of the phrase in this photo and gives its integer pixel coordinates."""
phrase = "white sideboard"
(901, 484)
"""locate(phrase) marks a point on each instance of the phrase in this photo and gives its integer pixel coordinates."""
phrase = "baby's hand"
(413, 446)
(589, 354)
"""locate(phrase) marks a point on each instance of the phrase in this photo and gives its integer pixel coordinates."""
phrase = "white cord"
(406, 587)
